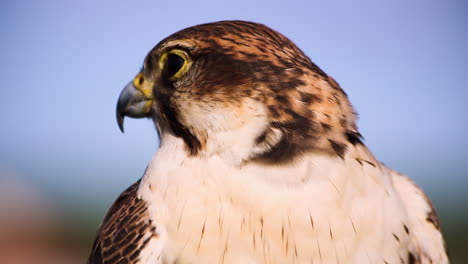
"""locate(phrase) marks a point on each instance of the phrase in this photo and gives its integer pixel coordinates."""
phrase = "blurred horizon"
(404, 65)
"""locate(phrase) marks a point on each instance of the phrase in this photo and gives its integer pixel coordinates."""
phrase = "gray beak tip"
(120, 121)
(132, 103)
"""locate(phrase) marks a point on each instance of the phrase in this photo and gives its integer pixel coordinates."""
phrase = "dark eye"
(173, 65)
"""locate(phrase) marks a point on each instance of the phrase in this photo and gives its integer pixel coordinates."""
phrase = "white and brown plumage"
(260, 161)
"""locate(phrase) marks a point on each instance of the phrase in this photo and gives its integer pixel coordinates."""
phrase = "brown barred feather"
(124, 232)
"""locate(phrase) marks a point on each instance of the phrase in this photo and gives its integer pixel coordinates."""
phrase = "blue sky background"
(404, 65)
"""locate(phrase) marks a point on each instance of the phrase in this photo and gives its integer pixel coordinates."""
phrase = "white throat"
(229, 132)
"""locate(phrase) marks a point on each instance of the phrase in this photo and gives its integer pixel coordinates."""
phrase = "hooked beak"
(135, 101)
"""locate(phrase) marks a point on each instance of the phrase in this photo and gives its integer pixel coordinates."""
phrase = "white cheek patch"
(273, 136)
(230, 132)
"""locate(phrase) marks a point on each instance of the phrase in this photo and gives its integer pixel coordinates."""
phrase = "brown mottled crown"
(237, 59)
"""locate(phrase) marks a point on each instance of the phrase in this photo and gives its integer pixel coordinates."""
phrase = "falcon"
(260, 161)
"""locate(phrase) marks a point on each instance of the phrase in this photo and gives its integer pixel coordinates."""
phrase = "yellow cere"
(143, 86)
(138, 80)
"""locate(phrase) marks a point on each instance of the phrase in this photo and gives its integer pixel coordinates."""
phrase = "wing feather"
(124, 232)
(424, 226)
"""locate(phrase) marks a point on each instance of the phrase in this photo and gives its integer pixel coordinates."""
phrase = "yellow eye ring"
(175, 63)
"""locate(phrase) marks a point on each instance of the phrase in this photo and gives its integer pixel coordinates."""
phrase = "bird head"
(240, 88)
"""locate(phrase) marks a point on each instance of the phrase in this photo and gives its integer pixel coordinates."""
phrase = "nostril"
(138, 80)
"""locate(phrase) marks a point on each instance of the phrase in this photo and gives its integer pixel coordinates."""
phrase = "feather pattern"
(124, 232)
(425, 230)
